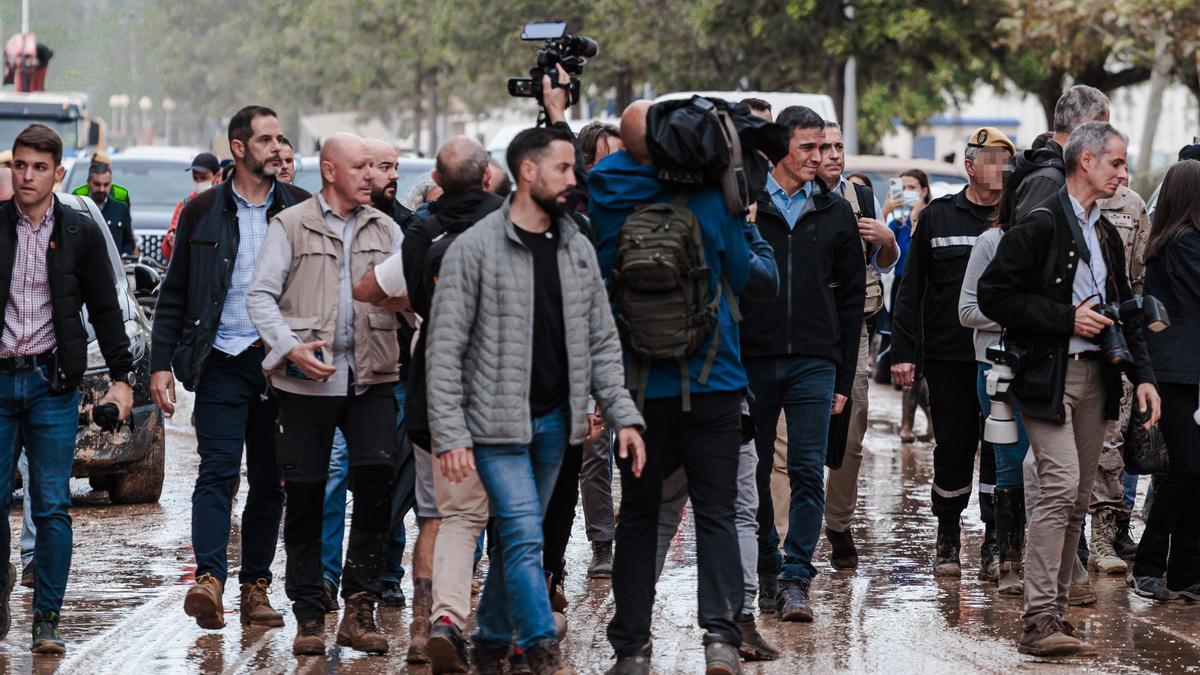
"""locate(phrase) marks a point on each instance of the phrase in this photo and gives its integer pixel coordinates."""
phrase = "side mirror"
(95, 135)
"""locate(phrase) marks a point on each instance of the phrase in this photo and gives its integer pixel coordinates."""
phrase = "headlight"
(137, 346)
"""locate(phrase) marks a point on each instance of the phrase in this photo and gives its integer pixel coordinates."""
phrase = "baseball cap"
(205, 161)
(991, 137)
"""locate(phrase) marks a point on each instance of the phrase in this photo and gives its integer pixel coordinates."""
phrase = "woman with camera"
(1009, 494)
(1173, 276)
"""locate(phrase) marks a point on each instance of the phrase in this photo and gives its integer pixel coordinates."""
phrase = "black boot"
(989, 556)
(1010, 538)
(1124, 544)
(945, 561)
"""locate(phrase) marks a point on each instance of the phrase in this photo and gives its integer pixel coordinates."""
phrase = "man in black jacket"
(203, 333)
(56, 266)
(1049, 274)
(462, 171)
(800, 351)
(926, 330)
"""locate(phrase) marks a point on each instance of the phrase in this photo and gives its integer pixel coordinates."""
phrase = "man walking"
(800, 351)
(520, 333)
(926, 330)
(116, 213)
(333, 361)
(1049, 273)
(43, 354)
(203, 334)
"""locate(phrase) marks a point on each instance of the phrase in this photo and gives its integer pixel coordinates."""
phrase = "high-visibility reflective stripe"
(940, 242)
(950, 494)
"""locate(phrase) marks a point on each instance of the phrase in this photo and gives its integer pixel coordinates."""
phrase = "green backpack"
(667, 310)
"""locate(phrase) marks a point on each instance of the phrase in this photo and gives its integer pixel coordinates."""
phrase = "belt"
(1092, 355)
(15, 363)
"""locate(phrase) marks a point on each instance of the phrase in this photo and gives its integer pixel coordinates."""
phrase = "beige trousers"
(464, 509)
(1065, 458)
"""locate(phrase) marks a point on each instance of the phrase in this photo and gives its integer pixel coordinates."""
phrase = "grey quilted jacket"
(480, 345)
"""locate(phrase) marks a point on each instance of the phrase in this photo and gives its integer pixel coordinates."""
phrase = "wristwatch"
(127, 378)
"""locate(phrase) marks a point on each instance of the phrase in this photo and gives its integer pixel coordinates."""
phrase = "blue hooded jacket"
(732, 248)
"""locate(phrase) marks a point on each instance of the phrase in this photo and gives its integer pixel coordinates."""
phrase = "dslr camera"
(559, 48)
(1001, 426)
(1112, 339)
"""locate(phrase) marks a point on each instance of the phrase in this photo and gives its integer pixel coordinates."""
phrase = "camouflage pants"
(1108, 489)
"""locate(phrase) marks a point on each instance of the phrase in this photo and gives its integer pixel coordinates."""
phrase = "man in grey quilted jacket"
(520, 334)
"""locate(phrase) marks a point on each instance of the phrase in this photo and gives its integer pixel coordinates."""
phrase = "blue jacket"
(732, 248)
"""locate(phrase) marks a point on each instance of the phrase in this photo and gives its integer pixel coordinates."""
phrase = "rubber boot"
(419, 630)
(1010, 538)
(945, 562)
(989, 557)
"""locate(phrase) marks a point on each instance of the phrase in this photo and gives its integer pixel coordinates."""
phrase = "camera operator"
(1044, 286)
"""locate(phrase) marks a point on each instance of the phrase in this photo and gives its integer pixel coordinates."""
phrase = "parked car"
(308, 173)
(944, 178)
(127, 463)
(157, 178)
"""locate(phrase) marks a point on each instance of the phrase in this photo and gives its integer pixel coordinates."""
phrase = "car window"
(151, 182)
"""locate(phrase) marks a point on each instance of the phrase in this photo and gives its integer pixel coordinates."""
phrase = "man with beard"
(203, 333)
(383, 197)
(520, 333)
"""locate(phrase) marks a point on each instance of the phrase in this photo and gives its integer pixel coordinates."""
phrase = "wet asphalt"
(133, 564)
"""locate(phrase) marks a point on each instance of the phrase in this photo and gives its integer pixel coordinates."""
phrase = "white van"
(820, 103)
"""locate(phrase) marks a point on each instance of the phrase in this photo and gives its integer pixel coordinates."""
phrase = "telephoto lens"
(1000, 427)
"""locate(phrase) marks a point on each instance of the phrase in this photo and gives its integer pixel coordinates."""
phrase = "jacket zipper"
(789, 292)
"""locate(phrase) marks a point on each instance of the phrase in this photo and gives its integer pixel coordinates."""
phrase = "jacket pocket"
(1038, 378)
(384, 351)
(950, 264)
(183, 360)
(305, 327)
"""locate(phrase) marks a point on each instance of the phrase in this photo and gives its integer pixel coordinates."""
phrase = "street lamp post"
(168, 106)
(145, 104)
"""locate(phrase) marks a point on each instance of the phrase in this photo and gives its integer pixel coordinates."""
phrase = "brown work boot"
(310, 637)
(546, 659)
(1103, 557)
(754, 646)
(1081, 592)
(203, 602)
(418, 631)
(255, 607)
(1045, 635)
(358, 629)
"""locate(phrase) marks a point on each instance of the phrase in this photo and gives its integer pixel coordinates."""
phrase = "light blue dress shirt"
(235, 331)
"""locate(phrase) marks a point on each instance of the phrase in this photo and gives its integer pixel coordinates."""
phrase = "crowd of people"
(485, 358)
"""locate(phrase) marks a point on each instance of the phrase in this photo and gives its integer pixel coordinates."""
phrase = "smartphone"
(292, 370)
(895, 186)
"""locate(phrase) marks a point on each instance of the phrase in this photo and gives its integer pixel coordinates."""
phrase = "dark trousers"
(1173, 524)
(706, 442)
(954, 406)
(560, 513)
(306, 426)
(235, 409)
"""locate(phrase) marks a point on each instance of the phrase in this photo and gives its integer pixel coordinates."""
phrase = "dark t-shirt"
(548, 386)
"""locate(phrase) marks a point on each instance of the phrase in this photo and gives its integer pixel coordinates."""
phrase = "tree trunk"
(835, 85)
(624, 87)
(1158, 84)
(433, 111)
(416, 107)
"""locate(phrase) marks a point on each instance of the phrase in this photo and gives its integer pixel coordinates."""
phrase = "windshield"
(67, 129)
(157, 183)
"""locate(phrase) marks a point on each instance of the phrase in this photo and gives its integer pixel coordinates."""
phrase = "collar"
(773, 187)
(241, 201)
(979, 211)
(47, 218)
(326, 210)
(842, 186)
(1091, 217)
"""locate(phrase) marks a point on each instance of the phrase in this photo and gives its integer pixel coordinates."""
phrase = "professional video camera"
(1001, 426)
(1112, 340)
(569, 51)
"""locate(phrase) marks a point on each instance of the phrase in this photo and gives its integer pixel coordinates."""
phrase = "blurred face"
(987, 170)
(804, 155)
(99, 186)
(833, 156)
(550, 177)
(6, 184)
(202, 179)
(385, 175)
(34, 176)
(287, 166)
(261, 155)
(1106, 172)
(911, 184)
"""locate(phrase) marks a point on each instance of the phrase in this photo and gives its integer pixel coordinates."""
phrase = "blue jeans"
(1130, 483)
(47, 422)
(518, 480)
(1008, 457)
(802, 387)
(333, 523)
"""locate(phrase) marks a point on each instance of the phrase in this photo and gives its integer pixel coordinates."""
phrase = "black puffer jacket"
(193, 292)
(79, 273)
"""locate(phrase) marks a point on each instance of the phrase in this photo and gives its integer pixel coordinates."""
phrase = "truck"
(65, 112)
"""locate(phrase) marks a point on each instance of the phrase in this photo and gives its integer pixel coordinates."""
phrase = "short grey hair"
(1078, 105)
(416, 194)
(830, 124)
(1090, 137)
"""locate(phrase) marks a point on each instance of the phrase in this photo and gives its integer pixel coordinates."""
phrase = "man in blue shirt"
(704, 440)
